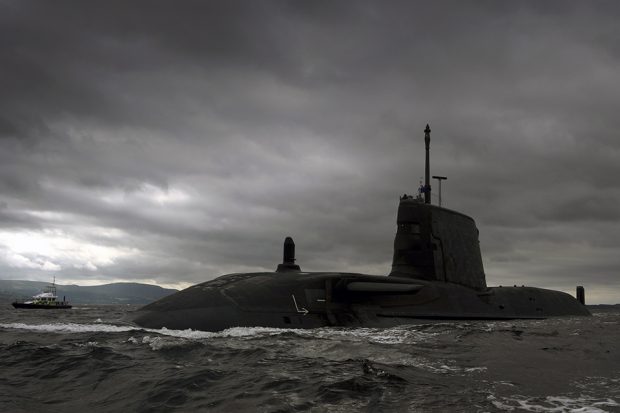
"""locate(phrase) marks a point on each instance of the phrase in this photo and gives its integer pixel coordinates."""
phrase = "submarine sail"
(437, 273)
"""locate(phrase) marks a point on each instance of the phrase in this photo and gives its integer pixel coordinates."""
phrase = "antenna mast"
(439, 179)
(427, 183)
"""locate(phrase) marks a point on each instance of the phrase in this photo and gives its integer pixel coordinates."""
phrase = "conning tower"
(434, 243)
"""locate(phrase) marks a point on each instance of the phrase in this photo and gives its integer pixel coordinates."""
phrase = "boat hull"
(311, 300)
(42, 306)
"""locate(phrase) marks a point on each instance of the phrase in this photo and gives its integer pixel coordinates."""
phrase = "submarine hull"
(311, 300)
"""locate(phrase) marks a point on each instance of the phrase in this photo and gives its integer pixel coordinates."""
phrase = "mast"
(427, 183)
(439, 179)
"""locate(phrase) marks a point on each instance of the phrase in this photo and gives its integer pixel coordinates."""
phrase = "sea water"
(90, 359)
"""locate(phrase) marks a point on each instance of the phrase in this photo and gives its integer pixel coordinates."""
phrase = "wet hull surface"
(311, 300)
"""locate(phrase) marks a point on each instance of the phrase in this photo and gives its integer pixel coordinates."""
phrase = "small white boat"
(44, 300)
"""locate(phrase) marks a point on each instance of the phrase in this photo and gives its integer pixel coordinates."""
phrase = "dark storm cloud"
(188, 139)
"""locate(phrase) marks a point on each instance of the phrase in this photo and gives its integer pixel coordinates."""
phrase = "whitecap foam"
(475, 369)
(230, 332)
(582, 404)
(87, 344)
(442, 366)
(111, 328)
(396, 335)
(68, 327)
(157, 343)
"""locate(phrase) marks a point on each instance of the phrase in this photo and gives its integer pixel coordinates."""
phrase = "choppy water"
(88, 358)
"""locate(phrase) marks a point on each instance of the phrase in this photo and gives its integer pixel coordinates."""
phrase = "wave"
(100, 327)
(585, 404)
(68, 327)
(396, 335)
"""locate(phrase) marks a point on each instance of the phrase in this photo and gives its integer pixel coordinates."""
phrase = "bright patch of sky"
(53, 250)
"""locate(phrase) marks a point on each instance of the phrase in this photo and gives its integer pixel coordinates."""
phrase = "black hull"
(42, 306)
(311, 300)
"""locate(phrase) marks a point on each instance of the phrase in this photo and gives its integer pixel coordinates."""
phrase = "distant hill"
(603, 307)
(115, 293)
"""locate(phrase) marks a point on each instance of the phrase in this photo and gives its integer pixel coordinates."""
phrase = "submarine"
(437, 273)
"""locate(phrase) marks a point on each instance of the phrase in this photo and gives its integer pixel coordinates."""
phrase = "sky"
(173, 142)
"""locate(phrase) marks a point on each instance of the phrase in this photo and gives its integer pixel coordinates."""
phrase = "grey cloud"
(305, 118)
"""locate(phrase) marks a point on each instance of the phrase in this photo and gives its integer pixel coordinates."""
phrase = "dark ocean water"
(89, 359)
